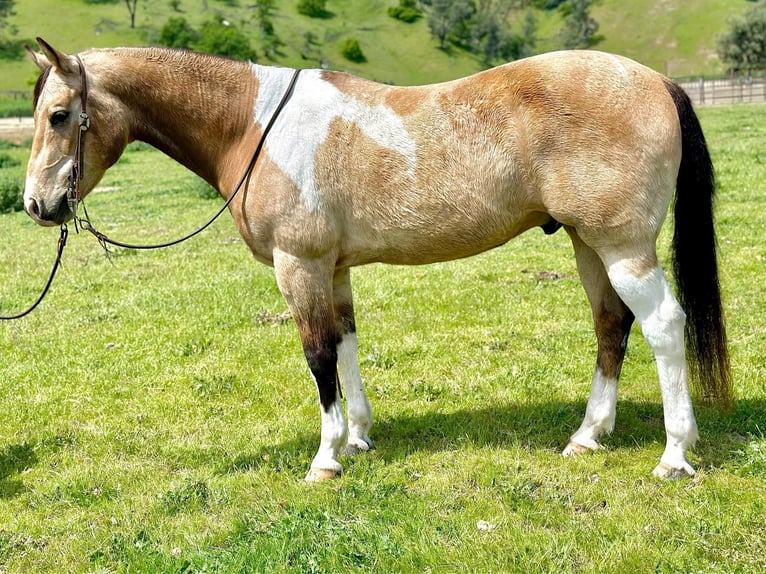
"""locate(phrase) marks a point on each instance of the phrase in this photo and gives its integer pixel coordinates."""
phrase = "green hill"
(674, 36)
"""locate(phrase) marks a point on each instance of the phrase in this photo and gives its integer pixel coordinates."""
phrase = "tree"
(450, 20)
(529, 35)
(743, 46)
(11, 48)
(270, 42)
(580, 30)
(480, 26)
(220, 37)
(132, 7)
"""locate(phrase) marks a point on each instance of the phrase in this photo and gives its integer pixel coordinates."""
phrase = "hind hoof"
(667, 472)
(575, 449)
(321, 474)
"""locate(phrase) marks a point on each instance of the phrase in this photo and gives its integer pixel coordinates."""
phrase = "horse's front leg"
(307, 287)
(359, 409)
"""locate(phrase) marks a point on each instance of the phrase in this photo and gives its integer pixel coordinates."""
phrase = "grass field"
(158, 415)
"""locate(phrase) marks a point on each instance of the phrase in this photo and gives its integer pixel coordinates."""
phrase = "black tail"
(695, 263)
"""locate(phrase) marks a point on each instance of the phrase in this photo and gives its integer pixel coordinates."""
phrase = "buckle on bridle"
(84, 122)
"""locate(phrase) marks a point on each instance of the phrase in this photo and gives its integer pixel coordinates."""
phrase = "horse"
(356, 172)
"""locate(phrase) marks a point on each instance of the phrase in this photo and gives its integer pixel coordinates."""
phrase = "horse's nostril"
(33, 208)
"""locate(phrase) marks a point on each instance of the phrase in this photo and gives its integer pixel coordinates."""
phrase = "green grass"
(674, 36)
(156, 420)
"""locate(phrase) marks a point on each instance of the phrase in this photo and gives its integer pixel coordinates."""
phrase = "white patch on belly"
(304, 123)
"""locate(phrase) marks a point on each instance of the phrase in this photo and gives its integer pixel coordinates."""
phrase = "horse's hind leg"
(359, 410)
(641, 284)
(612, 320)
(307, 287)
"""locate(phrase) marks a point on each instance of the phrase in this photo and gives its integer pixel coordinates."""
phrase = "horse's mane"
(39, 85)
(179, 56)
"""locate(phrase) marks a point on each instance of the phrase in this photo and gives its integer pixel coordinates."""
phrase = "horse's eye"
(59, 118)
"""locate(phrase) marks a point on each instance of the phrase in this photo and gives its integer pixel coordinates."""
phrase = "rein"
(103, 239)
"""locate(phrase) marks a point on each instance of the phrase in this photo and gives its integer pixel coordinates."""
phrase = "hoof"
(321, 474)
(668, 472)
(357, 445)
(575, 449)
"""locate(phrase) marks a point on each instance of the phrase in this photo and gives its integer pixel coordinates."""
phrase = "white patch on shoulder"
(304, 123)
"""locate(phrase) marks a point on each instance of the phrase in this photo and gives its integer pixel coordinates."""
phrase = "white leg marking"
(662, 323)
(325, 464)
(599, 415)
(359, 409)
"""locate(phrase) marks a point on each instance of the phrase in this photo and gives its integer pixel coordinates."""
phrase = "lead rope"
(56, 265)
(105, 241)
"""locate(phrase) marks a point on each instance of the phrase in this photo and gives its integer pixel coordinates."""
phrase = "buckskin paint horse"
(357, 172)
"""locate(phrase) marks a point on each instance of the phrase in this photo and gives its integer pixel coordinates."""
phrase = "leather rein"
(74, 197)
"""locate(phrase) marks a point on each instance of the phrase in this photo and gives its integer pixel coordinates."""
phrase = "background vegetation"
(164, 426)
(677, 37)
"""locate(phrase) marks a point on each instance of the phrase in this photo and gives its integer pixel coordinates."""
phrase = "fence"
(706, 91)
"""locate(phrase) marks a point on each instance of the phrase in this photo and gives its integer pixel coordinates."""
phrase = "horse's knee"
(322, 359)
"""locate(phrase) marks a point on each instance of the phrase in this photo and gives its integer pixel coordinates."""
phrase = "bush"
(406, 11)
(313, 8)
(178, 33)
(351, 50)
(8, 161)
(12, 49)
(11, 194)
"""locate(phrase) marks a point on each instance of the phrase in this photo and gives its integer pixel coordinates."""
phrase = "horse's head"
(59, 96)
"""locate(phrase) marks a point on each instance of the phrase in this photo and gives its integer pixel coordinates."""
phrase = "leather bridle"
(73, 194)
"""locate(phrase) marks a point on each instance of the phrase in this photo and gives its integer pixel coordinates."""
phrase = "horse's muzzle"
(48, 214)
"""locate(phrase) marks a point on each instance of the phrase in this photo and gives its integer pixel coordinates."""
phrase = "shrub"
(406, 11)
(178, 33)
(8, 161)
(313, 8)
(11, 194)
(351, 50)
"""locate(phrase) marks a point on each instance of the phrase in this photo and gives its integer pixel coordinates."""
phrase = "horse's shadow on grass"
(533, 426)
(14, 459)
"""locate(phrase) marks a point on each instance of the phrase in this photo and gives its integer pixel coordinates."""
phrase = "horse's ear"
(39, 60)
(52, 56)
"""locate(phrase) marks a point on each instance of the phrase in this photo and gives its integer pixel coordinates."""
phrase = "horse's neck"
(194, 108)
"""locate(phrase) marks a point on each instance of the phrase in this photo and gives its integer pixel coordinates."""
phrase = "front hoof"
(357, 445)
(668, 472)
(576, 449)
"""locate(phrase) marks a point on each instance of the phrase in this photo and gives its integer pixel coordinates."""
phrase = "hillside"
(674, 36)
